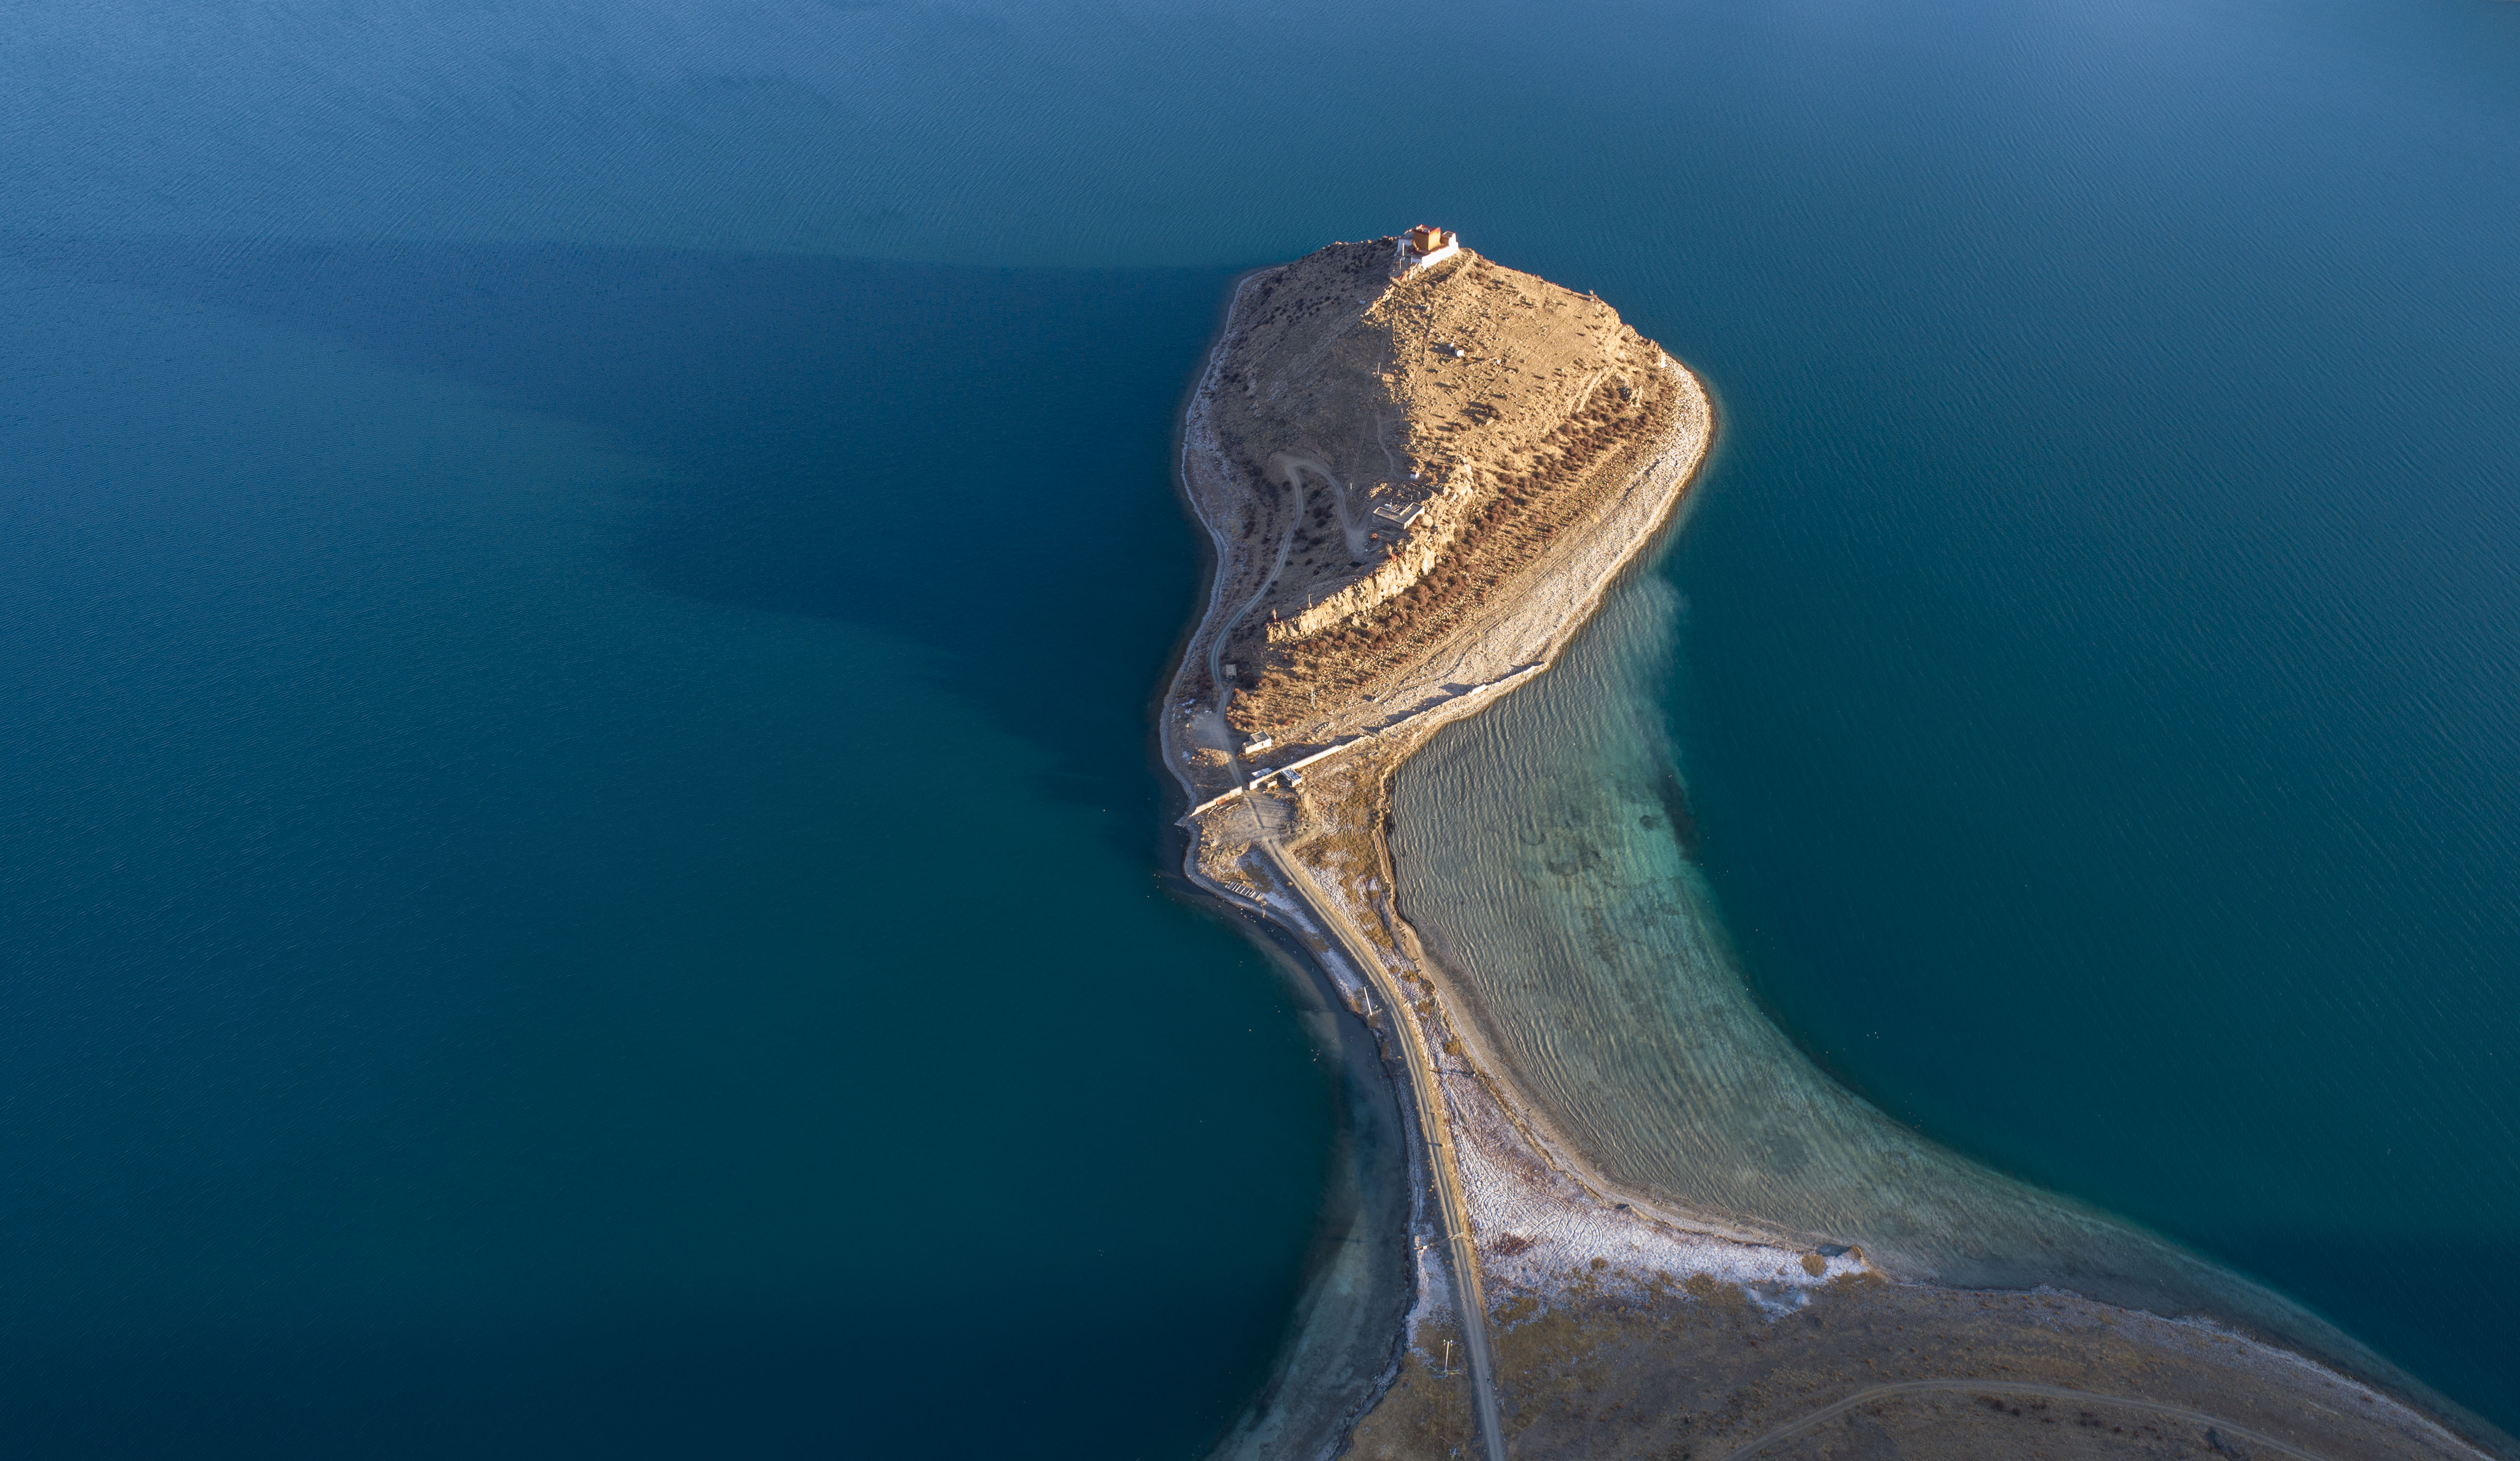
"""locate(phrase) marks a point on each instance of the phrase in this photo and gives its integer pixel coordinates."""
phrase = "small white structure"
(1423, 246)
(1257, 744)
(1399, 515)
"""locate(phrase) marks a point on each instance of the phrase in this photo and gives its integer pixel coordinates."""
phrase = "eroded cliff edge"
(1419, 476)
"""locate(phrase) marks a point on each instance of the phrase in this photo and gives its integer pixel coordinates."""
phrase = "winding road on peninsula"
(1425, 1096)
(1428, 1097)
(1223, 732)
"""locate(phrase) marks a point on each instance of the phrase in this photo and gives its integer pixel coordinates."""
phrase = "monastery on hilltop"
(1423, 246)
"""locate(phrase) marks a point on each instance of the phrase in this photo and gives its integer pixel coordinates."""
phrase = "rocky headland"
(1420, 471)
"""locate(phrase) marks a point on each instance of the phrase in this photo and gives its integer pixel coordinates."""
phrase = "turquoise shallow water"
(500, 699)
(2086, 665)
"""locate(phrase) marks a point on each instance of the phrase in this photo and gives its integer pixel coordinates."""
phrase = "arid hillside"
(1409, 444)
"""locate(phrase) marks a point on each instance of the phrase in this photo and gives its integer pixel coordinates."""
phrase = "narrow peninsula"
(1421, 470)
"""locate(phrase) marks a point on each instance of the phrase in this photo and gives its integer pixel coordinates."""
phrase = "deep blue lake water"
(547, 550)
(503, 756)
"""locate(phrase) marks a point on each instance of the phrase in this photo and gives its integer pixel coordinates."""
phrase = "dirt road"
(1426, 1096)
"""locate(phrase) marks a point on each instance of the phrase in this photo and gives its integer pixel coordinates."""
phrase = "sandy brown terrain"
(1864, 1368)
(1418, 487)
(1493, 405)
(1414, 485)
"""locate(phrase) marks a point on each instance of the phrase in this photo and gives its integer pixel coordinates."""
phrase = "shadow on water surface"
(463, 1001)
(975, 459)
